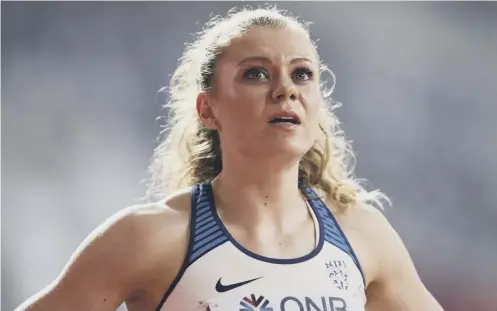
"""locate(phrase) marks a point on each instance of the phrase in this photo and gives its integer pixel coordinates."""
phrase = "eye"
(256, 73)
(302, 74)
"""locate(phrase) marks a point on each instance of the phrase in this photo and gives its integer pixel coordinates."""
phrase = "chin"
(287, 149)
(292, 149)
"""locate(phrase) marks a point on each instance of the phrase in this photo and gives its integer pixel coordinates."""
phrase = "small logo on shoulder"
(337, 271)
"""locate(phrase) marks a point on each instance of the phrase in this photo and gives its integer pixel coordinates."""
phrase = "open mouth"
(285, 120)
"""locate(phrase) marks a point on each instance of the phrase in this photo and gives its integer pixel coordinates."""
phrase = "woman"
(261, 211)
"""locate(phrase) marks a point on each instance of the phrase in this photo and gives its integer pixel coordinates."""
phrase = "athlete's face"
(266, 95)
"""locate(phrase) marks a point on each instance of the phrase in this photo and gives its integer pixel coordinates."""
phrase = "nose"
(284, 90)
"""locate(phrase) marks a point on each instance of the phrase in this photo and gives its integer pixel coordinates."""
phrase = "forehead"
(272, 43)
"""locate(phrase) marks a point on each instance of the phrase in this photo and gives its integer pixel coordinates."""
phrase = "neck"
(261, 191)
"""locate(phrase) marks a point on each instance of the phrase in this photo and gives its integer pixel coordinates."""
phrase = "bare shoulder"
(371, 224)
(121, 258)
(157, 230)
(392, 281)
(373, 239)
(165, 219)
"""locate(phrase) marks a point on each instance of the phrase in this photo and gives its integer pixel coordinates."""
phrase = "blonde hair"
(189, 153)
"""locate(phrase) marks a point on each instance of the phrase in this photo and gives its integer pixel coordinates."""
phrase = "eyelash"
(255, 70)
(299, 70)
(306, 71)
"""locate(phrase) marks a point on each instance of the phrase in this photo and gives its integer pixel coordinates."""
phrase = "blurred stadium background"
(418, 81)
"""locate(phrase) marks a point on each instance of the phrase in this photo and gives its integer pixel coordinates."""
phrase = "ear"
(205, 112)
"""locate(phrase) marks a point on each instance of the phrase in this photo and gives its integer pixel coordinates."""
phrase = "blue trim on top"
(204, 235)
(333, 232)
(185, 264)
(286, 261)
(207, 233)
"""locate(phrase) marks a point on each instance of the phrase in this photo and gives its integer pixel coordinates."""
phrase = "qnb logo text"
(292, 303)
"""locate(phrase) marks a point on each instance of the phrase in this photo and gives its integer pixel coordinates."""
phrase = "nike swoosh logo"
(224, 288)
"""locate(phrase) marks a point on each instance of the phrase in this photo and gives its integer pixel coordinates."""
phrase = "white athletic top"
(219, 274)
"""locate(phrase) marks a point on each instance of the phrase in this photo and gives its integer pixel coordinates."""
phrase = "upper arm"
(396, 284)
(103, 272)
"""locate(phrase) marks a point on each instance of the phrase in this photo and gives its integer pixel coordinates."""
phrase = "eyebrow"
(265, 59)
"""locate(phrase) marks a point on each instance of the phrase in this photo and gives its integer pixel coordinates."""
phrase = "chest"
(226, 280)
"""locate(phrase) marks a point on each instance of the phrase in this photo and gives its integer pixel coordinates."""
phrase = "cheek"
(238, 119)
(241, 107)
(313, 106)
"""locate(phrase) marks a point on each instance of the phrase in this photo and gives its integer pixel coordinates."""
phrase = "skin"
(120, 261)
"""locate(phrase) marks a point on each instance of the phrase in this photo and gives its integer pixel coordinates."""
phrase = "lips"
(285, 117)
